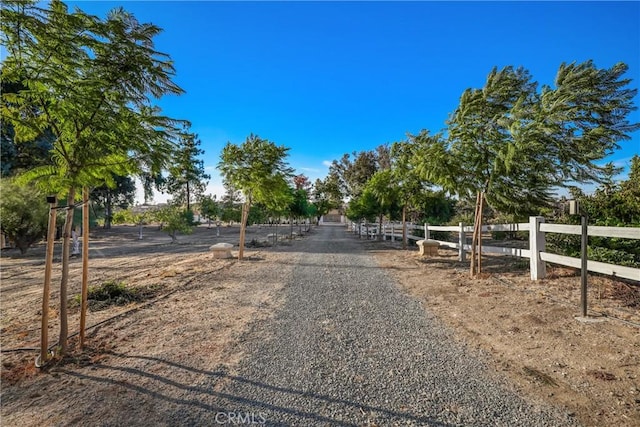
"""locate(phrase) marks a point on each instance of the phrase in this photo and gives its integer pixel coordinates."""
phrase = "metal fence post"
(461, 242)
(536, 245)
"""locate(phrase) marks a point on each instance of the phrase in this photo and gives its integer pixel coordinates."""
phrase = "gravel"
(348, 348)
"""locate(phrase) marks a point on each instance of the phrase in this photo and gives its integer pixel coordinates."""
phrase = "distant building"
(334, 216)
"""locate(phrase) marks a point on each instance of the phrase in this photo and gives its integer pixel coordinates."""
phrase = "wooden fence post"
(461, 242)
(536, 245)
(426, 231)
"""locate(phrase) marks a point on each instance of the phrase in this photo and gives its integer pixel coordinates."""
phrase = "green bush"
(612, 256)
(24, 213)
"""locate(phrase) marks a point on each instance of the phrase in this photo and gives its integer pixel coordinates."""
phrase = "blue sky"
(326, 78)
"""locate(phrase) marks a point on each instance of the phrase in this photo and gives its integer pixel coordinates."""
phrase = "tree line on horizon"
(80, 120)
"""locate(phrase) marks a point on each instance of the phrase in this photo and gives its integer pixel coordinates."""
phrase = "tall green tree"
(121, 195)
(480, 141)
(187, 179)
(363, 207)
(92, 83)
(258, 169)
(410, 187)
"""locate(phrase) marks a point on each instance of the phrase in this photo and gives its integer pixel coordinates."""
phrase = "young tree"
(209, 208)
(258, 169)
(299, 206)
(364, 207)
(409, 185)
(137, 215)
(480, 140)
(187, 179)
(175, 220)
(91, 83)
(509, 145)
(385, 192)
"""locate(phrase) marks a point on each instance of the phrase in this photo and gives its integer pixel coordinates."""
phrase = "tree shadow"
(214, 397)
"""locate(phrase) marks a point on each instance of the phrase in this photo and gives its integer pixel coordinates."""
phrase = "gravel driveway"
(348, 348)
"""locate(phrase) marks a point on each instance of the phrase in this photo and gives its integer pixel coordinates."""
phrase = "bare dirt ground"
(142, 366)
(151, 352)
(529, 328)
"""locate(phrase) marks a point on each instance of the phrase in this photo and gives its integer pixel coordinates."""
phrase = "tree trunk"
(380, 227)
(107, 212)
(474, 239)
(66, 235)
(404, 227)
(51, 235)
(480, 210)
(188, 197)
(85, 263)
(275, 241)
(243, 226)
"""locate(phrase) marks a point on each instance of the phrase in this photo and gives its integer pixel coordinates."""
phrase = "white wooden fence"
(537, 229)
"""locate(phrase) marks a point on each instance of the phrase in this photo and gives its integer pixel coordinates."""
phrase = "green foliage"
(363, 207)
(385, 192)
(17, 156)
(209, 207)
(257, 168)
(257, 215)
(89, 82)
(610, 205)
(136, 215)
(516, 144)
(230, 214)
(121, 195)
(175, 220)
(299, 206)
(187, 179)
(437, 208)
(350, 176)
(614, 256)
(326, 195)
(23, 213)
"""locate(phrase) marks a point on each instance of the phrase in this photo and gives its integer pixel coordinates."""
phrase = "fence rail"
(536, 228)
